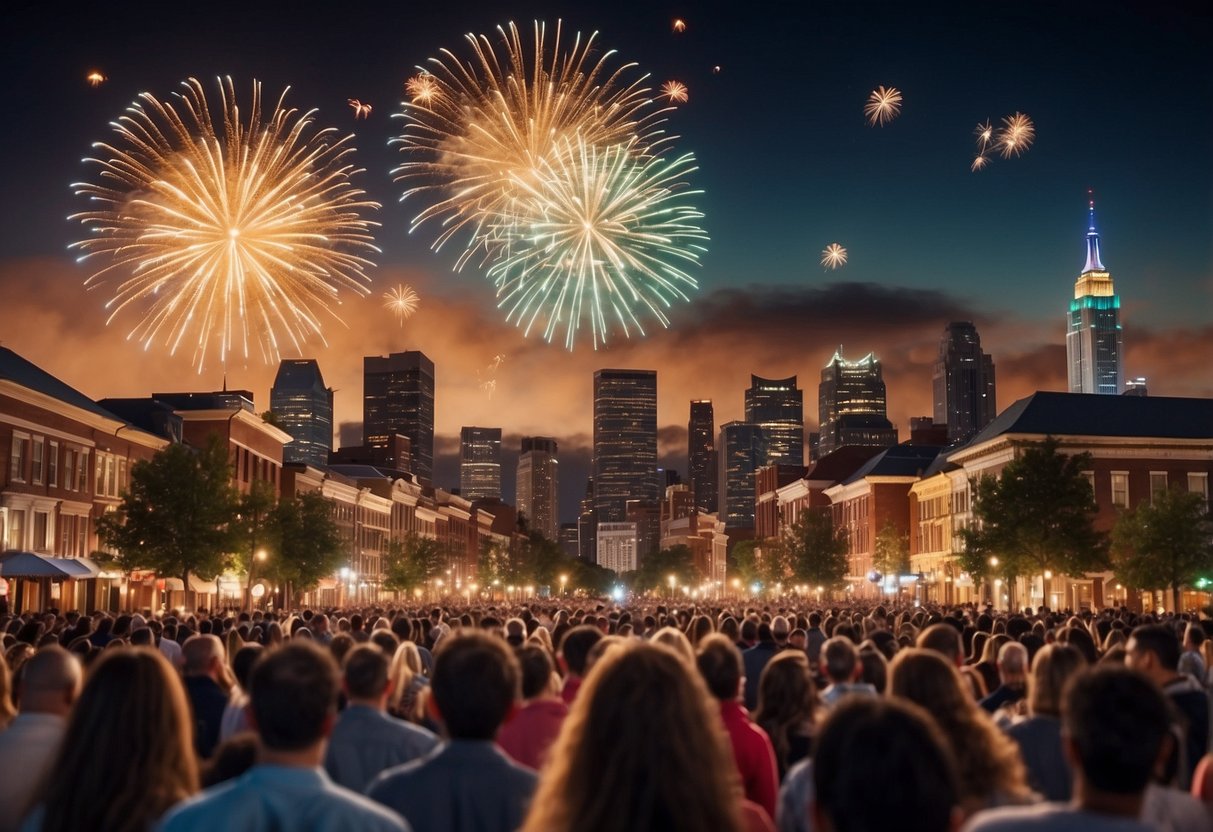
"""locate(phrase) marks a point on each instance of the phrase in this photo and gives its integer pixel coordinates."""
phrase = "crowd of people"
(553, 717)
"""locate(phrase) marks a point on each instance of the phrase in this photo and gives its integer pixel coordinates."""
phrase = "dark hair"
(719, 663)
(385, 641)
(142, 638)
(475, 683)
(365, 672)
(840, 657)
(231, 759)
(868, 741)
(1159, 640)
(243, 661)
(942, 639)
(1116, 719)
(576, 646)
(749, 630)
(537, 669)
(294, 691)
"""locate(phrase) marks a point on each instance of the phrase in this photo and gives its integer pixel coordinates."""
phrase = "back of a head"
(294, 691)
(944, 640)
(243, 661)
(475, 683)
(1052, 669)
(720, 665)
(199, 653)
(1116, 720)
(749, 630)
(537, 669)
(642, 718)
(925, 678)
(1013, 658)
(364, 672)
(878, 763)
(50, 680)
(1160, 640)
(839, 658)
(576, 646)
(786, 692)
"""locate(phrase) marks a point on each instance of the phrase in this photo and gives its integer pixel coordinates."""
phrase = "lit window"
(69, 468)
(1120, 489)
(18, 457)
(39, 459)
(52, 466)
(1198, 483)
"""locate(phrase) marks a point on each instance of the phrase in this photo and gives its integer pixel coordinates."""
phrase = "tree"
(815, 552)
(1166, 543)
(176, 517)
(1037, 515)
(412, 563)
(655, 571)
(891, 555)
(253, 529)
(306, 543)
(746, 566)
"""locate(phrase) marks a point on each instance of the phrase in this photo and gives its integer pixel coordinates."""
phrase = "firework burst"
(95, 79)
(402, 301)
(883, 106)
(675, 92)
(833, 256)
(225, 234)
(1016, 135)
(498, 119)
(979, 162)
(421, 88)
(603, 237)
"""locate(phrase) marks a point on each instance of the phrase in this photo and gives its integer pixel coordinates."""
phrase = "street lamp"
(673, 582)
(564, 579)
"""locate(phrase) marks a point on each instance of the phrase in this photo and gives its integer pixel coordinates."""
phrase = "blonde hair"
(1054, 665)
(406, 665)
(643, 748)
(134, 707)
(988, 761)
(674, 638)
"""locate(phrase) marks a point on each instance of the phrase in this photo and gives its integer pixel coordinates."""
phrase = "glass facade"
(303, 407)
(777, 405)
(398, 397)
(1094, 340)
(743, 450)
(625, 441)
(851, 405)
(963, 383)
(701, 455)
(538, 485)
(480, 463)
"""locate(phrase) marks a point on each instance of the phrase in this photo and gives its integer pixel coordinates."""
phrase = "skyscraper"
(743, 450)
(963, 382)
(303, 407)
(701, 455)
(777, 405)
(851, 405)
(538, 482)
(587, 526)
(480, 463)
(625, 441)
(398, 397)
(1094, 342)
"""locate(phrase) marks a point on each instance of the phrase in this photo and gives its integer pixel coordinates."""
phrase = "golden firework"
(675, 92)
(225, 231)
(1016, 135)
(421, 88)
(360, 110)
(833, 256)
(883, 106)
(680, 25)
(979, 162)
(95, 78)
(403, 301)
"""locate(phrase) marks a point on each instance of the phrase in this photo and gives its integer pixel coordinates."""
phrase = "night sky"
(1121, 95)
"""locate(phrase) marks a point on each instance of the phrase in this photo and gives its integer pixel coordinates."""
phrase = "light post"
(737, 586)
(819, 590)
(994, 565)
(673, 582)
(1044, 587)
(564, 580)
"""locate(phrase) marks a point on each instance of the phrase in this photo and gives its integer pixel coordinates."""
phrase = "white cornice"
(88, 418)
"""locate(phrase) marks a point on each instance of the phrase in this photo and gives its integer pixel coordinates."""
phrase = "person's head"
(720, 665)
(780, 629)
(535, 664)
(1114, 721)
(231, 759)
(50, 682)
(1153, 649)
(475, 685)
(874, 667)
(576, 645)
(1013, 663)
(943, 639)
(385, 641)
(293, 696)
(869, 741)
(673, 638)
(787, 700)
(642, 718)
(134, 707)
(243, 661)
(749, 630)
(203, 655)
(840, 660)
(1053, 667)
(1194, 637)
(364, 676)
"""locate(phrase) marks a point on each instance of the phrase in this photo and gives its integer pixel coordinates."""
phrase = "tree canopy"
(1164, 543)
(813, 551)
(306, 543)
(412, 562)
(891, 554)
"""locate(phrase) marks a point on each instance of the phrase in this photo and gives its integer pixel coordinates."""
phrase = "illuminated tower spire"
(1093, 262)
(1094, 344)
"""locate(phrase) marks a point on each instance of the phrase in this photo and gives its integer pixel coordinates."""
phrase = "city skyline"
(928, 241)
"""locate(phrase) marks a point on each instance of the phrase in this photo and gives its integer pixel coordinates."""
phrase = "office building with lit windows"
(851, 405)
(777, 406)
(701, 455)
(480, 463)
(303, 407)
(538, 486)
(963, 382)
(625, 441)
(743, 450)
(398, 398)
(1094, 343)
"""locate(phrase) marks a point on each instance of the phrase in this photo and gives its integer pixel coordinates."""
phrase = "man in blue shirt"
(294, 705)
(468, 784)
(366, 741)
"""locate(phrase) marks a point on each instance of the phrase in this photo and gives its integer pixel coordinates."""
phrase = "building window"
(1120, 489)
(52, 466)
(1090, 475)
(1158, 482)
(69, 468)
(42, 528)
(1199, 484)
(38, 472)
(18, 457)
(16, 529)
(82, 472)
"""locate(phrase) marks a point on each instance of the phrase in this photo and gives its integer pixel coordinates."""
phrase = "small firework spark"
(403, 301)
(979, 162)
(883, 106)
(716, 69)
(1016, 135)
(833, 256)
(675, 91)
(421, 88)
(984, 132)
(680, 25)
(497, 361)
(360, 110)
(95, 79)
